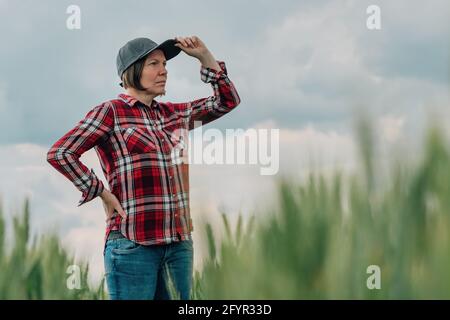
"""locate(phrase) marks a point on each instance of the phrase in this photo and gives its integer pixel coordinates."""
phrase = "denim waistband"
(115, 234)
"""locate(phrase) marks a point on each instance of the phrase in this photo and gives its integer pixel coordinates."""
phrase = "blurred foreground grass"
(41, 268)
(318, 244)
(325, 234)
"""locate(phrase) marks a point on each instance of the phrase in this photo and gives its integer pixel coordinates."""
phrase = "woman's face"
(154, 73)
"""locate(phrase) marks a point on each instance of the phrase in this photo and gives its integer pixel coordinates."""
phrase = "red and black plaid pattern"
(135, 144)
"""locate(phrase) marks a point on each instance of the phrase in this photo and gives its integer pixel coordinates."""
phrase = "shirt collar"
(131, 101)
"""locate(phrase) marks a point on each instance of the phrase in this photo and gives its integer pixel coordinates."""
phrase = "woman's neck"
(142, 96)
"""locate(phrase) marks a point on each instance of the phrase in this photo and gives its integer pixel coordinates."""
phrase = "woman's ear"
(123, 84)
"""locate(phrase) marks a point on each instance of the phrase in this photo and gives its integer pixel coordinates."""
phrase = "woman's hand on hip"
(111, 204)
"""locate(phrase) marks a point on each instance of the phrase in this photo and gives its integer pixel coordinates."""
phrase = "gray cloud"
(295, 62)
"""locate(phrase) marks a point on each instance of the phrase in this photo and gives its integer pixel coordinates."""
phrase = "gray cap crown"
(137, 48)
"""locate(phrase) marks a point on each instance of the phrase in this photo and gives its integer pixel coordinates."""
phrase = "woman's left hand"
(192, 46)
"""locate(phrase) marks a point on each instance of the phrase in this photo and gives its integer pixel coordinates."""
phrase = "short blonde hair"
(131, 77)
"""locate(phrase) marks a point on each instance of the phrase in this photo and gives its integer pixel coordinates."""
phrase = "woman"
(148, 242)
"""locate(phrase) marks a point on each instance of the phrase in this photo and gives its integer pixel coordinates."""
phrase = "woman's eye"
(154, 63)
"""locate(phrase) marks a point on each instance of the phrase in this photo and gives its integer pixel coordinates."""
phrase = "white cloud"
(322, 62)
(311, 52)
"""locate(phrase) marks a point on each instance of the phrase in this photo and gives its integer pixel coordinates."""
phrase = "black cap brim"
(169, 49)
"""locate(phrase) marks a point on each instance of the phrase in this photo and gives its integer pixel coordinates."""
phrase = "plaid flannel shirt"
(135, 145)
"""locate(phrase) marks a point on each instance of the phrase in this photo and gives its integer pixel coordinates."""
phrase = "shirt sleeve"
(65, 153)
(205, 110)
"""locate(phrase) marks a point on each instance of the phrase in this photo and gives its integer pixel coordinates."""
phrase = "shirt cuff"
(211, 75)
(95, 189)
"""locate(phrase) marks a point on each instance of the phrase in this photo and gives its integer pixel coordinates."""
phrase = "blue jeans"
(137, 272)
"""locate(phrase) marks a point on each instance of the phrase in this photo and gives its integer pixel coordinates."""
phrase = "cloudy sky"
(303, 67)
